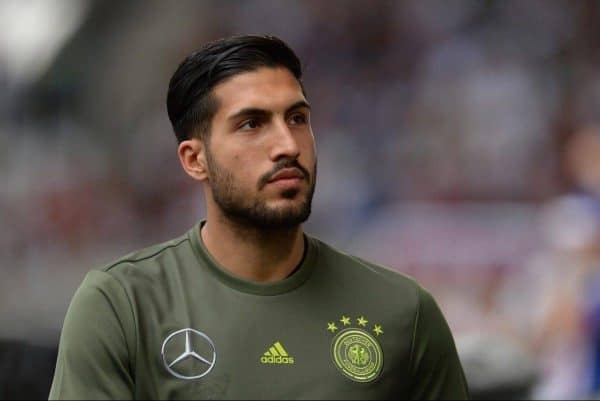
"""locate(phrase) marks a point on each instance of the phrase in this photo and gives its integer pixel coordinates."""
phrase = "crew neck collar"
(296, 279)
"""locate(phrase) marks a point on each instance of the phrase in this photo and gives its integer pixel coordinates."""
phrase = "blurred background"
(458, 142)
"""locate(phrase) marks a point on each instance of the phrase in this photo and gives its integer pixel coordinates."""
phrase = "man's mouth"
(287, 174)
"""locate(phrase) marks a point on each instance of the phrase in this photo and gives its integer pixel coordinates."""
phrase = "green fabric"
(272, 341)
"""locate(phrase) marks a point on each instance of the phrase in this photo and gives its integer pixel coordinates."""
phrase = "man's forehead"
(266, 88)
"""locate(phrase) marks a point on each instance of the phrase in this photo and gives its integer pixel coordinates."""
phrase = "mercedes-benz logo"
(192, 337)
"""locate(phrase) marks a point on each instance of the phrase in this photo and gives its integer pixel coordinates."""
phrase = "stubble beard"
(254, 213)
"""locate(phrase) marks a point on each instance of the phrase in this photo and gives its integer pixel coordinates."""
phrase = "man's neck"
(252, 254)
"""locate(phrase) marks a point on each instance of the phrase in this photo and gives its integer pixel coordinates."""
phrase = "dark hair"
(190, 103)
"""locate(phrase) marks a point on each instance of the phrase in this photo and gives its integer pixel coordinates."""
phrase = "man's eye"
(249, 124)
(298, 119)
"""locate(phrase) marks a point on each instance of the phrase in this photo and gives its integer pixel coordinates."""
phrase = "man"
(245, 305)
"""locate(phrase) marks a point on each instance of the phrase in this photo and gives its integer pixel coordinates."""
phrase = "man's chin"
(282, 216)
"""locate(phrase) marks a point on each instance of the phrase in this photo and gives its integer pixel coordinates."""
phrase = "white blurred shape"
(33, 31)
(494, 362)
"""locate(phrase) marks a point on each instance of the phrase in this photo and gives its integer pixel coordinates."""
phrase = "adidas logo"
(276, 355)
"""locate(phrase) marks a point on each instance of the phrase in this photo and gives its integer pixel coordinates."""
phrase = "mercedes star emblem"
(193, 338)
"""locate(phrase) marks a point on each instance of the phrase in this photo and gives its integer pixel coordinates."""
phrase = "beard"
(254, 212)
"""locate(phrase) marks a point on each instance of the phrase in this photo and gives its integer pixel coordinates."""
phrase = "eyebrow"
(253, 111)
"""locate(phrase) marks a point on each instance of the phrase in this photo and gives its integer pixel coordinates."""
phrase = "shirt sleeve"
(435, 368)
(95, 358)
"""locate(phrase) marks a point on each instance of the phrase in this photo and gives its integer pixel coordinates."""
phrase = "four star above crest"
(361, 321)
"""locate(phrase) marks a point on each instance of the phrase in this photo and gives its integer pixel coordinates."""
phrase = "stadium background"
(457, 143)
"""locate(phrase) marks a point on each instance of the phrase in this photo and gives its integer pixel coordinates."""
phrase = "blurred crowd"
(458, 142)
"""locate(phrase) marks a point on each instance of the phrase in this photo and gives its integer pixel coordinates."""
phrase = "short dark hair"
(190, 103)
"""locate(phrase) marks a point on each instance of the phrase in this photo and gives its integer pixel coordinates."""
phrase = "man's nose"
(285, 143)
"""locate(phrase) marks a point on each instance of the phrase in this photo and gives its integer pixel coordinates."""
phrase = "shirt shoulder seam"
(132, 260)
(414, 333)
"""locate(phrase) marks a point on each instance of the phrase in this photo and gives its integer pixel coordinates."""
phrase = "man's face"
(260, 153)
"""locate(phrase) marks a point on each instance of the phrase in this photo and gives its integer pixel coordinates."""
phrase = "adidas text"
(277, 359)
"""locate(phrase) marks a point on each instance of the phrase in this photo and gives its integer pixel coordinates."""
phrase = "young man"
(245, 305)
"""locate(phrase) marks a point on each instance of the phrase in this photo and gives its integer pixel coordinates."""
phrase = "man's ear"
(192, 155)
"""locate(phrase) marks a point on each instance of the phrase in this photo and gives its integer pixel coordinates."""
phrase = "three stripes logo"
(277, 355)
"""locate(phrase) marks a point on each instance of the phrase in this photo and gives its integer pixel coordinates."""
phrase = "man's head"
(242, 120)
(190, 101)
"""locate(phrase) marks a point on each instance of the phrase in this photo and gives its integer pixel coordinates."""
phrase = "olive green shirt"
(168, 322)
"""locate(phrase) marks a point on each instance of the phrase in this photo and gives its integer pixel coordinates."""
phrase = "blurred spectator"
(560, 283)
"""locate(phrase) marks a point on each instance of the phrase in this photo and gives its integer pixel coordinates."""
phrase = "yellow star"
(331, 327)
(378, 329)
(345, 320)
(362, 321)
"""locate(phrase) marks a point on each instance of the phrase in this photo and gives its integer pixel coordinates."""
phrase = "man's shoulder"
(147, 254)
(142, 270)
(357, 268)
(148, 262)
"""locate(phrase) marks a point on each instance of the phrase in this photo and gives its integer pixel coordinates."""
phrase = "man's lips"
(287, 174)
